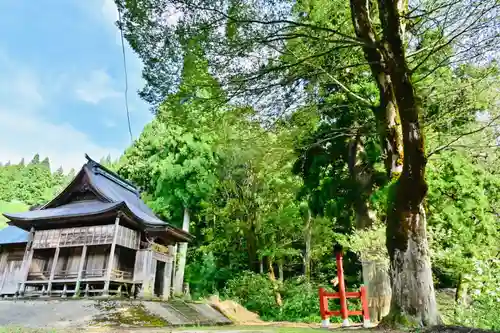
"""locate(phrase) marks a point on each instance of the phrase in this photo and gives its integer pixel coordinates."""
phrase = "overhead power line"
(126, 74)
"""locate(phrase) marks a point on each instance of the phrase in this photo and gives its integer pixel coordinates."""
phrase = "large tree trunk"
(413, 295)
(413, 298)
(388, 123)
(412, 287)
(182, 252)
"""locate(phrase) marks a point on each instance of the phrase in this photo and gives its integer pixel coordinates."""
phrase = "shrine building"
(96, 238)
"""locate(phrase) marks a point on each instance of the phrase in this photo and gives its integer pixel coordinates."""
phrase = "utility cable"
(126, 74)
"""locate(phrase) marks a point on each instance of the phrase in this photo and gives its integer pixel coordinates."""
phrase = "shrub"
(254, 292)
(300, 298)
(300, 302)
(483, 313)
(485, 291)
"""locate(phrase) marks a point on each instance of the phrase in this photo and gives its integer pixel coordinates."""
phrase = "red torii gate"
(344, 312)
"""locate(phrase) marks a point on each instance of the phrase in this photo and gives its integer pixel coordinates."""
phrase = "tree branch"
(290, 22)
(446, 146)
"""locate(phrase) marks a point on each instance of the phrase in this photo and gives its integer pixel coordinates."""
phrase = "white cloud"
(19, 87)
(22, 136)
(109, 11)
(24, 128)
(96, 88)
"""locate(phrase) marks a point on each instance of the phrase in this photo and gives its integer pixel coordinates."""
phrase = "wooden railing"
(65, 275)
(73, 275)
(121, 275)
(94, 273)
(39, 275)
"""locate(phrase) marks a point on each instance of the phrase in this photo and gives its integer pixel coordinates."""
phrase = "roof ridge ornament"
(97, 168)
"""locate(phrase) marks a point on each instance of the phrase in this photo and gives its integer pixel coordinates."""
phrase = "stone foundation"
(106, 312)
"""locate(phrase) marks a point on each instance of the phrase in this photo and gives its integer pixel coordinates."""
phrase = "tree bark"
(413, 298)
(182, 252)
(462, 289)
(251, 240)
(275, 284)
(389, 126)
(280, 270)
(412, 285)
(362, 175)
(307, 241)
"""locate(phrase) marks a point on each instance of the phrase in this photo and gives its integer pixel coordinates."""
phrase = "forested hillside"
(26, 185)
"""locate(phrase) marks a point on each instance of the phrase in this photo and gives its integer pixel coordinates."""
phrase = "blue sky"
(62, 82)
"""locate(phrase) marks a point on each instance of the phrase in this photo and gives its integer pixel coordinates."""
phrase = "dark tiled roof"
(115, 193)
(89, 207)
(13, 235)
(116, 189)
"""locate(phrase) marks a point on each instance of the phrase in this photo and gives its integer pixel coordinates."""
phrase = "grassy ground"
(269, 329)
(220, 329)
(250, 329)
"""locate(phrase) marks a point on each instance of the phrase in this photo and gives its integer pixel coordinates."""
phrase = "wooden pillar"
(182, 253)
(111, 257)
(174, 265)
(167, 280)
(3, 260)
(323, 309)
(148, 272)
(81, 265)
(54, 265)
(53, 269)
(28, 257)
(3, 267)
(343, 299)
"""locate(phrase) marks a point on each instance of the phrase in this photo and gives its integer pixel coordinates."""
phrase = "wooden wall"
(11, 260)
(94, 235)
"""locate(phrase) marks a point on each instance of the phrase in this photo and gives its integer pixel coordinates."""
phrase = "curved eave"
(175, 233)
(26, 222)
(180, 234)
(186, 236)
(115, 207)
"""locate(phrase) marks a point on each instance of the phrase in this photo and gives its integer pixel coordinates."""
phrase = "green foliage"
(462, 211)
(204, 276)
(300, 302)
(482, 314)
(256, 293)
(368, 244)
(10, 207)
(253, 291)
(173, 166)
(484, 281)
(32, 184)
(175, 157)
